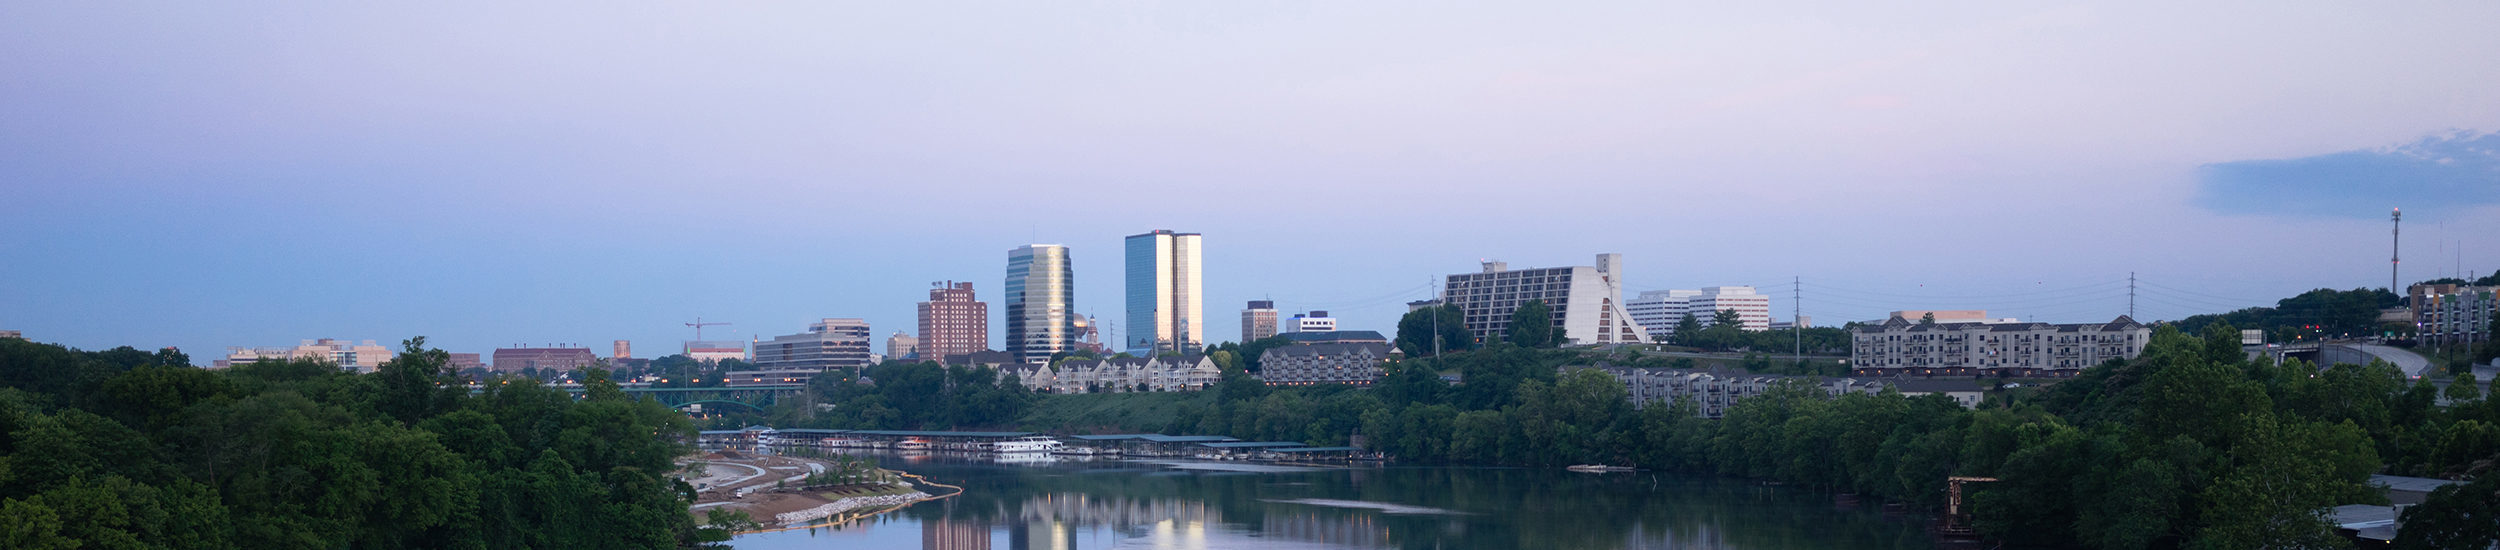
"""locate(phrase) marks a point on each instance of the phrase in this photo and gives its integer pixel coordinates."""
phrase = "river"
(1180, 504)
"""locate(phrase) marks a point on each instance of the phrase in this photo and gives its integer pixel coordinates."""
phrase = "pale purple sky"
(246, 174)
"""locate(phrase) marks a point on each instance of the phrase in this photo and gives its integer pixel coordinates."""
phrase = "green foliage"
(301, 455)
(915, 395)
(1532, 326)
(1418, 328)
(2456, 516)
(2313, 314)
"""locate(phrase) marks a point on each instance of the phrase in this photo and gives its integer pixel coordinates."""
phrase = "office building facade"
(827, 344)
(1041, 298)
(1753, 310)
(1658, 311)
(715, 351)
(545, 359)
(1903, 347)
(952, 321)
(902, 346)
(361, 357)
(1587, 301)
(1165, 312)
(1258, 321)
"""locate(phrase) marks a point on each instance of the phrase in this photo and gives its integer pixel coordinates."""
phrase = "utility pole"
(2395, 256)
(2130, 295)
(1796, 317)
(1436, 318)
(698, 325)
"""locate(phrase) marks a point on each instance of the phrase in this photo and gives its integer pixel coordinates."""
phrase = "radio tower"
(2396, 238)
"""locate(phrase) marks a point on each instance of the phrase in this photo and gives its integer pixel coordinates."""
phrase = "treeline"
(899, 395)
(1726, 332)
(126, 449)
(2191, 444)
(2317, 313)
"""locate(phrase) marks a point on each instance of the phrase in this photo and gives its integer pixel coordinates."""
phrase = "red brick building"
(952, 322)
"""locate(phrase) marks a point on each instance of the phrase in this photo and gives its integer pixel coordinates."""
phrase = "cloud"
(2436, 175)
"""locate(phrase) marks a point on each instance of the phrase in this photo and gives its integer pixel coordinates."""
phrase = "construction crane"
(698, 325)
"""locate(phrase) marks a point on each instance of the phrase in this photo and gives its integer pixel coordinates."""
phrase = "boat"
(1600, 468)
(912, 445)
(1075, 451)
(1026, 444)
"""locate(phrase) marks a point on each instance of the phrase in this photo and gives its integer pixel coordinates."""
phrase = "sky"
(492, 174)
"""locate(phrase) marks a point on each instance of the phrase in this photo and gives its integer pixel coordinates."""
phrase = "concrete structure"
(1258, 321)
(1165, 309)
(952, 321)
(1900, 346)
(1965, 391)
(983, 358)
(622, 350)
(827, 344)
(466, 361)
(1327, 363)
(549, 358)
(1658, 311)
(1190, 372)
(902, 346)
(362, 357)
(1316, 321)
(1040, 294)
(1752, 309)
(1587, 301)
(714, 351)
(1338, 337)
(2450, 316)
(1806, 321)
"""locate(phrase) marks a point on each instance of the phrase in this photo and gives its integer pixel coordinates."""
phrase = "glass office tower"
(1165, 312)
(1041, 298)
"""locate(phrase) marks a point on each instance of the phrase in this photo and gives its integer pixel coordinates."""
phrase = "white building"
(1165, 308)
(1587, 301)
(1753, 310)
(1659, 310)
(362, 357)
(1316, 321)
(2453, 315)
(714, 351)
(827, 344)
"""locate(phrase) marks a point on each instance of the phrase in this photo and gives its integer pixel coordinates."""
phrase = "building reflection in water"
(954, 535)
(1056, 521)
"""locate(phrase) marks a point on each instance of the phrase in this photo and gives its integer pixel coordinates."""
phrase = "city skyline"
(215, 176)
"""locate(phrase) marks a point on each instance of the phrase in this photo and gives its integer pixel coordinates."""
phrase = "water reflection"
(1115, 504)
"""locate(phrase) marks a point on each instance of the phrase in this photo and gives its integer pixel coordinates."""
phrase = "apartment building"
(1356, 364)
(2448, 315)
(1899, 346)
(362, 357)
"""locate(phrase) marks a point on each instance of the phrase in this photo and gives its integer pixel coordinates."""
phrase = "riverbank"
(767, 489)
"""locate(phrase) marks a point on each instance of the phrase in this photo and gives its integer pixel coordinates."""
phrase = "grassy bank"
(1108, 412)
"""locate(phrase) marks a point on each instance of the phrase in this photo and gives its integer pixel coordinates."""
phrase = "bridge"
(2358, 353)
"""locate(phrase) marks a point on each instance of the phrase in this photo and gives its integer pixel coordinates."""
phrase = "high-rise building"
(624, 350)
(902, 346)
(1587, 301)
(1165, 312)
(1316, 321)
(952, 322)
(1041, 298)
(1258, 321)
(466, 361)
(1658, 311)
(1752, 310)
(827, 344)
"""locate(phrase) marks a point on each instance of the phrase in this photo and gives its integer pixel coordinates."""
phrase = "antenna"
(2395, 243)
(1796, 316)
(2130, 295)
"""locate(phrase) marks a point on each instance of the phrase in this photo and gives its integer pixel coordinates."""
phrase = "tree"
(2462, 389)
(1927, 319)
(1532, 325)
(1417, 329)
(1687, 330)
(2455, 516)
